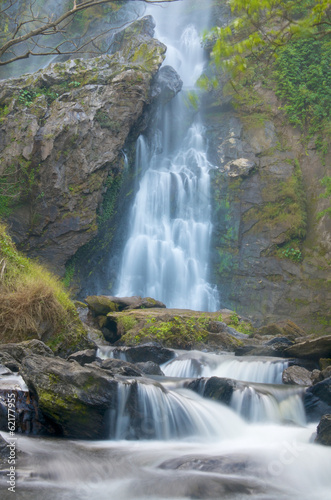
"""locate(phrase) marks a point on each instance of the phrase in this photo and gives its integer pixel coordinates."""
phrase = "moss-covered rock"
(75, 399)
(175, 328)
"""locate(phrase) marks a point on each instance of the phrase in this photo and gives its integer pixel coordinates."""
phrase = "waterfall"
(147, 410)
(250, 369)
(262, 404)
(167, 252)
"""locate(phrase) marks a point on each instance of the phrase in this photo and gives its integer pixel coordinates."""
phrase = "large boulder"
(324, 431)
(311, 349)
(317, 400)
(75, 399)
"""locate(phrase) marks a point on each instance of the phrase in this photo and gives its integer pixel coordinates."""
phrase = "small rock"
(324, 431)
(297, 375)
(239, 168)
(149, 368)
(316, 376)
(120, 367)
(83, 357)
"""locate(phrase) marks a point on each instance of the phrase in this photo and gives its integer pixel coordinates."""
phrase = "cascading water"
(167, 252)
(169, 443)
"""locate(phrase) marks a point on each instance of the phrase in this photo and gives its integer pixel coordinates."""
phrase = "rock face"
(269, 255)
(324, 431)
(62, 133)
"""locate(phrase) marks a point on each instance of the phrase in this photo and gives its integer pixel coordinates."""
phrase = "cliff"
(63, 131)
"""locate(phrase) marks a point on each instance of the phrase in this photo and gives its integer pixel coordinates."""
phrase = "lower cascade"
(179, 437)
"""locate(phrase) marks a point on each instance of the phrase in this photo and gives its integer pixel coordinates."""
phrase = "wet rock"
(22, 349)
(324, 431)
(149, 368)
(228, 464)
(146, 352)
(311, 349)
(274, 347)
(8, 362)
(168, 84)
(296, 375)
(317, 400)
(219, 389)
(120, 367)
(75, 399)
(83, 357)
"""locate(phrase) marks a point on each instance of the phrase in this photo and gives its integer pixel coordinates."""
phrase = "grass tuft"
(33, 302)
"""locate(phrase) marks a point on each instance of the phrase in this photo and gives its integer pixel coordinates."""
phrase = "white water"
(251, 369)
(259, 456)
(167, 252)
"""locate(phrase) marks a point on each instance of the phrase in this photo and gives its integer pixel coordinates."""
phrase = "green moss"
(179, 332)
(105, 121)
(126, 323)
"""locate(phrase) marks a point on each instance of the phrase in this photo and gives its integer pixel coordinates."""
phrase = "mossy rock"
(75, 399)
(174, 328)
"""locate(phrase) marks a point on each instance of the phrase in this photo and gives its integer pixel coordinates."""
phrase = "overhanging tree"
(261, 27)
(29, 29)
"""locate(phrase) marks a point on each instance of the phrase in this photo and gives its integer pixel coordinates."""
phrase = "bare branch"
(49, 26)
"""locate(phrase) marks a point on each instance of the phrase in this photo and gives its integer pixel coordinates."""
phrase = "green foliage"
(16, 183)
(326, 183)
(303, 76)
(106, 122)
(234, 319)
(126, 323)
(287, 40)
(27, 96)
(113, 185)
(69, 274)
(290, 251)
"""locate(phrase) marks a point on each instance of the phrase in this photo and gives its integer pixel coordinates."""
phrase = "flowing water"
(168, 442)
(167, 252)
(176, 444)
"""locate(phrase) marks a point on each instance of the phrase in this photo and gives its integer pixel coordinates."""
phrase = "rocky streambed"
(146, 420)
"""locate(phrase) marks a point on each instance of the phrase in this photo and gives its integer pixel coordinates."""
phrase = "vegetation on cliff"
(33, 302)
(285, 46)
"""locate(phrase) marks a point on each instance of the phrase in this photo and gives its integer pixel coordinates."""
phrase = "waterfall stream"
(167, 252)
(166, 441)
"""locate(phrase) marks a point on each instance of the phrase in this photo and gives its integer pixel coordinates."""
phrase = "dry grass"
(32, 301)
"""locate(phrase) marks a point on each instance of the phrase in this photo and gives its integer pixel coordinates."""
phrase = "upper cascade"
(166, 255)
